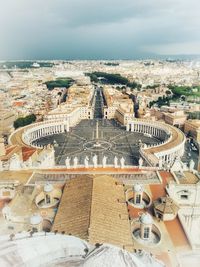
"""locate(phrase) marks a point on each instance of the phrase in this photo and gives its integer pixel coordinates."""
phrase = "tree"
(61, 82)
(194, 115)
(168, 92)
(20, 122)
(111, 78)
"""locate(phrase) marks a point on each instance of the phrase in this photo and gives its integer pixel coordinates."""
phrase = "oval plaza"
(91, 152)
(103, 133)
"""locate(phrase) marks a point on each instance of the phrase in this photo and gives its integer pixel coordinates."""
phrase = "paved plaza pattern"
(114, 140)
(95, 169)
(100, 137)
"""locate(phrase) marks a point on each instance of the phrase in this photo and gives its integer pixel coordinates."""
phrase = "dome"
(138, 188)
(108, 255)
(146, 218)
(62, 250)
(35, 219)
(48, 188)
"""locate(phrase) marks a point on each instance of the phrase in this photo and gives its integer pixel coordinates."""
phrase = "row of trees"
(152, 86)
(61, 82)
(178, 91)
(111, 64)
(20, 122)
(162, 101)
(194, 115)
(174, 93)
(110, 78)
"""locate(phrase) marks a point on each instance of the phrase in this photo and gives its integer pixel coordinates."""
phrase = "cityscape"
(99, 133)
(105, 151)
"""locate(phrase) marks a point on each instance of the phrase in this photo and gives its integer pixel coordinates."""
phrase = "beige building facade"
(7, 118)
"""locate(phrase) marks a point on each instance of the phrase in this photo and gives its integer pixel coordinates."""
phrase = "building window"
(146, 232)
(138, 199)
(184, 196)
(48, 200)
(6, 193)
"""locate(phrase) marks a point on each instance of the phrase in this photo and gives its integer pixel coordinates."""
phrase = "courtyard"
(108, 139)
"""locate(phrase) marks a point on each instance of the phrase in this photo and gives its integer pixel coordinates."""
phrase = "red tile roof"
(27, 152)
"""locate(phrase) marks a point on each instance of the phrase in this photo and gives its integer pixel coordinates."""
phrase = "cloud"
(97, 29)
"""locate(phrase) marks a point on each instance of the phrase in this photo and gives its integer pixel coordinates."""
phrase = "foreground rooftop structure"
(62, 250)
(90, 170)
(104, 216)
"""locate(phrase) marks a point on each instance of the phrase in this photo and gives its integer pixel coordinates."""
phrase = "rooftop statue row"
(117, 162)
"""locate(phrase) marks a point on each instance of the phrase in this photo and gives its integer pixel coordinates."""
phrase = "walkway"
(98, 108)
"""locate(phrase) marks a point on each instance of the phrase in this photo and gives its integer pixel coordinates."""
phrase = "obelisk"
(97, 130)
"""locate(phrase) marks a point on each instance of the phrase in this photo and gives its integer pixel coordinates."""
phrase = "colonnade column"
(128, 127)
(67, 126)
(132, 127)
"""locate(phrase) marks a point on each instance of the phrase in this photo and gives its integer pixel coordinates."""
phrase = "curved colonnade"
(156, 155)
(162, 153)
(45, 129)
(28, 134)
(54, 123)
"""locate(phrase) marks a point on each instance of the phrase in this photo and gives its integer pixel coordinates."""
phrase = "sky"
(98, 29)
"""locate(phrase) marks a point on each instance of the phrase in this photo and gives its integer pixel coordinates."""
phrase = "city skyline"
(100, 133)
(121, 137)
(98, 30)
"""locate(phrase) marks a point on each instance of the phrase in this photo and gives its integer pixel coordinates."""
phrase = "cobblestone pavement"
(81, 140)
(109, 139)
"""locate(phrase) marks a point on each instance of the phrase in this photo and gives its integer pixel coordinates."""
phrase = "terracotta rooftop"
(177, 138)
(21, 176)
(166, 205)
(10, 150)
(109, 221)
(16, 137)
(73, 214)
(94, 208)
(188, 178)
(27, 152)
(19, 103)
(173, 235)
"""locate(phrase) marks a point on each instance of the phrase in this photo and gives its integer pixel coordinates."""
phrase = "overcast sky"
(98, 29)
